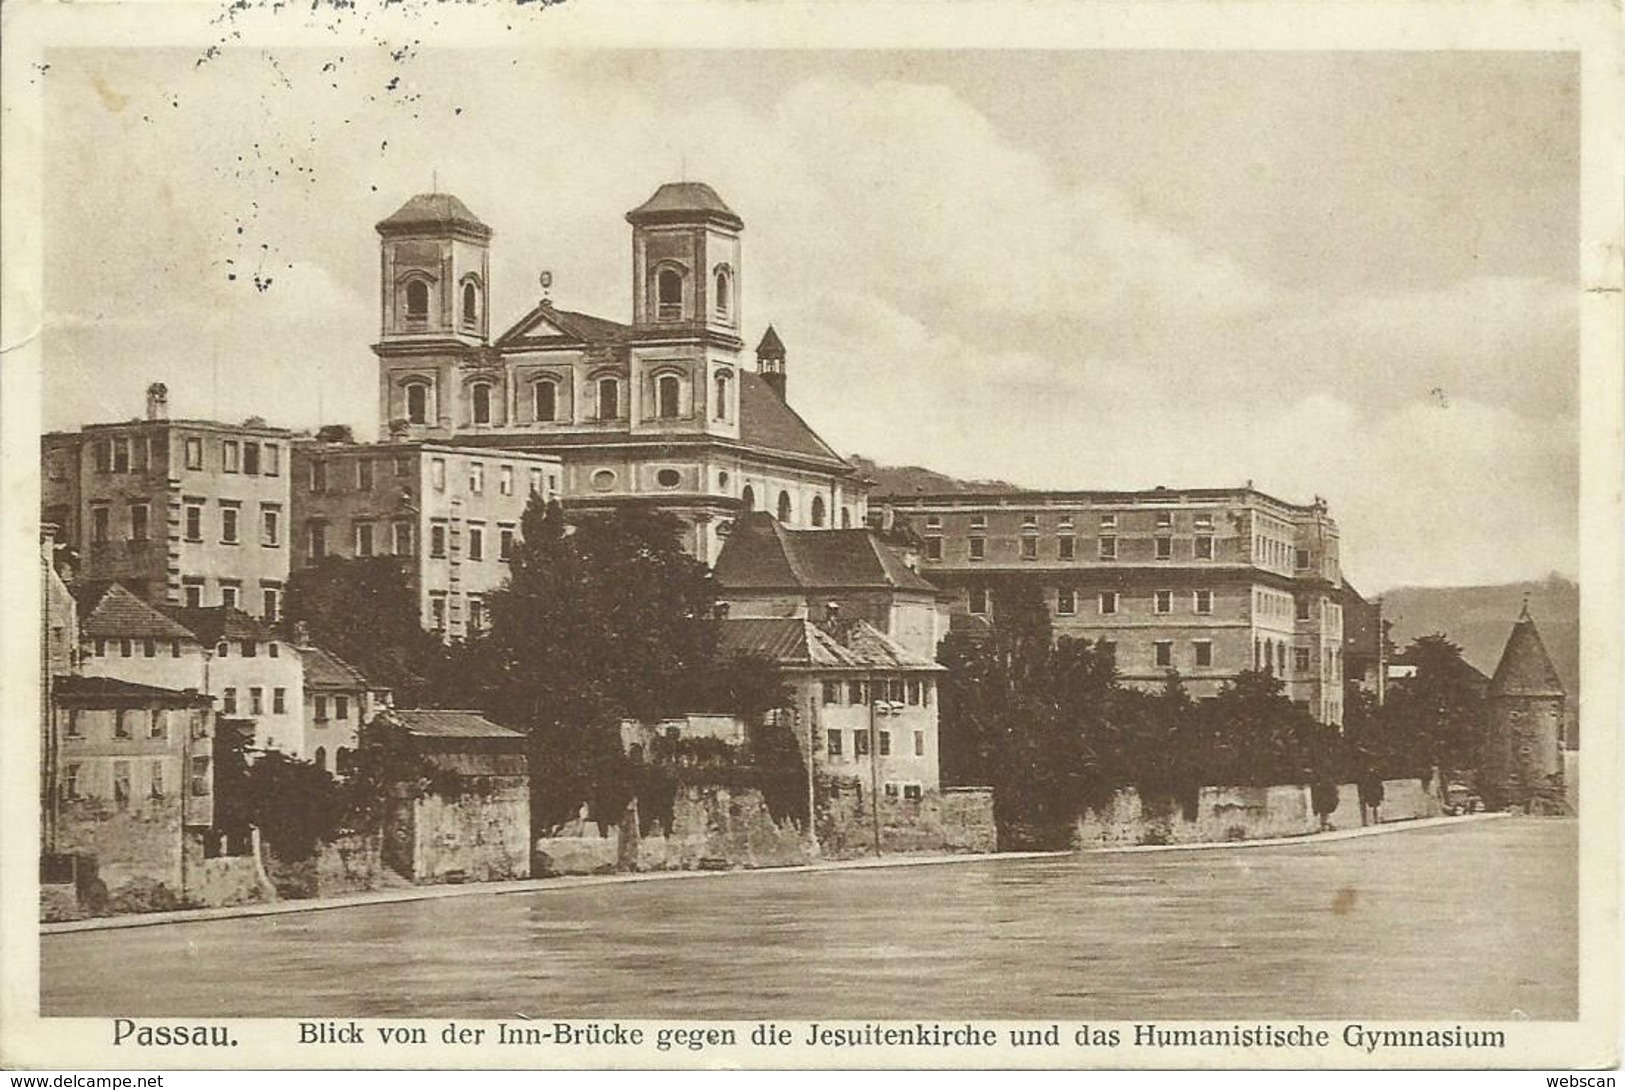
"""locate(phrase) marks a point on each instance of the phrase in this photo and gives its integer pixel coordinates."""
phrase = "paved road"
(1469, 921)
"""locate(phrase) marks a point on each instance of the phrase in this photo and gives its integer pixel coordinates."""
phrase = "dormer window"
(669, 295)
(417, 300)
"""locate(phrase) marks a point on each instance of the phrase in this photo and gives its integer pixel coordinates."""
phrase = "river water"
(1476, 920)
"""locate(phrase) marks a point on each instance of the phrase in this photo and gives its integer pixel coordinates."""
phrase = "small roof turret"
(431, 211)
(1526, 669)
(685, 202)
(771, 347)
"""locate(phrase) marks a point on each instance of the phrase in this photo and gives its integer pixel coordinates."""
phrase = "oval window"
(722, 479)
(669, 478)
(603, 480)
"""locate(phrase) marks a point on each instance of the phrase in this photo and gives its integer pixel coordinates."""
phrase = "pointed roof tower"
(1526, 669)
(770, 362)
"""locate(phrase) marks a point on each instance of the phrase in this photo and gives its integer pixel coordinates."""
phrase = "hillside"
(917, 480)
(1480, 618)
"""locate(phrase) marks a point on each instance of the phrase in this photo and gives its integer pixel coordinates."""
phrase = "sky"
(1349, 275)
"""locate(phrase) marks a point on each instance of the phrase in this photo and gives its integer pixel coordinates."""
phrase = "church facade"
(660, 412)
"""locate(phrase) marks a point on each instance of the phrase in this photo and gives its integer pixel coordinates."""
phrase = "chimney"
(157, 401)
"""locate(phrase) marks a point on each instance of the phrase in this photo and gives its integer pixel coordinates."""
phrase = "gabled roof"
(110, 611)
(546, 326)
(761, 554)
(770, 346)
(433, 210)
(685, 202)
(325, 670)
(766, 421)
(1525, 668)
(792, 642)
(211, 624)
(448, 723)
(110, 692)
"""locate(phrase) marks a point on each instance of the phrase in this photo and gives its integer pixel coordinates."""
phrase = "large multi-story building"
(1206, 582)
(183, 512)
(661, 411)
(452, 514)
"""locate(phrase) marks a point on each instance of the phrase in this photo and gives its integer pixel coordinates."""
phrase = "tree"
(295, 804)
(1252, 734)
(1435, 717)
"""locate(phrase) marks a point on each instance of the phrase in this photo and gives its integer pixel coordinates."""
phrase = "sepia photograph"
(749, 542)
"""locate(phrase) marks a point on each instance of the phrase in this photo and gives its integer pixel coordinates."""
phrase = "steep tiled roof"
(796, 642)
(106, 690)
(112, 612)
(682, 201)
(431, 210)
(766, 421)
(325, 670)
(211, 624)
(761, 554)
(448, 723)
(1526, 669)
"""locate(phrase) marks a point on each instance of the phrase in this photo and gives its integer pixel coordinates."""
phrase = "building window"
(121, 784)
(271, 600)
(319, 707)
(933, 548)
(1108, 546)
(471, 305)
(818, 511)
(1165, 548)
(1204, 601)
(228, 597)
(978, 600)
(609, 399)
(139, 516)
(417, 403)
(228, 525)
(668, 478)
(832, 692)
(194, 452)
(271, 648)
(229, 456)
(854, 693)
(505, 480)
(978, 548)
(1029, 547)
(273, 459)
(667, 390)
(228, 700)
(785, 508)
(1068, 546)
(832, 741)
(318, 475)
(480, 395)
(175, 649)
(121, 455)
(885, 743)
(126, 648)
(403, 539)
(721, 409)
(200, 776)
(669, 295)
(978, 522)
(417, 300)
(722, 293)
(437, 540)
(1300, 559)
(437, 474)
(1204, 652)
(919, 745)
(505, 543)
(1066, 602)
(317, 546)
(914, 691)
(102, 455)
(1164, 652)
(437, 612)
(100, 518)
(1300, 659)
(476, 543)
(256, 700)
(860, 743)
(149, 648)
(1303, 609)
(341, 707)
(1108, 521)
(363, 539)
(1164, 601)
(363, 474)
(251, 458)
(193, 590)
(545, 396)
(1204, 547)
(1108, 602)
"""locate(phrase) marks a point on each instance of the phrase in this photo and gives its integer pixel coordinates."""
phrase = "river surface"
(1476, 920)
